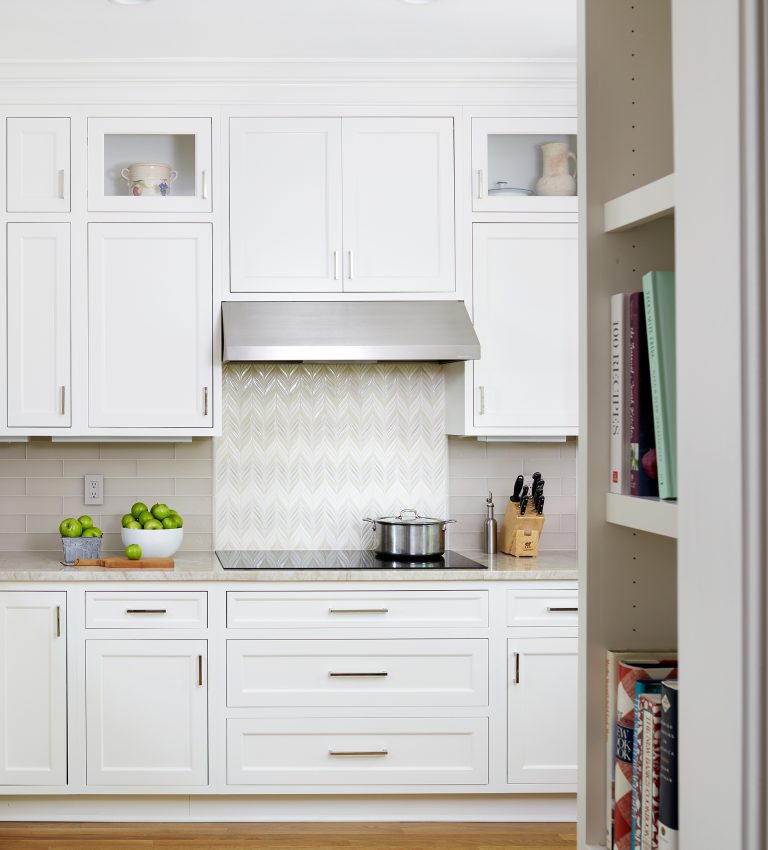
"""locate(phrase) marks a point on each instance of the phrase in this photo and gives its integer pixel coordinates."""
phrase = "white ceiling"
(288, 29)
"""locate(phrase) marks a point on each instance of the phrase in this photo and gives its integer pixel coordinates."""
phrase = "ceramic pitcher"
(556, 178)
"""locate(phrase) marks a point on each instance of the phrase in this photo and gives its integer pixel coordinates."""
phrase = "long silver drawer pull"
(358, 752)
(560, 610)
(379, 675)
(200, 671)
(58, 621)
(62, 400)
(517, 668)
(358, 610)
(204, 191)
(146, 611)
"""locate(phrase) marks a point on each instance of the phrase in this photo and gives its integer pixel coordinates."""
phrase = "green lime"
(85, 521)
(160, 511)
(133, 552)
(138, 509)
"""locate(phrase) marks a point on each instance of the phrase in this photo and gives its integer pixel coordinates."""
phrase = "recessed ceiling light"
(417, 2)
(129, 2)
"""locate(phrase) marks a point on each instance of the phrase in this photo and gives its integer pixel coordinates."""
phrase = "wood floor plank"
(287, 836)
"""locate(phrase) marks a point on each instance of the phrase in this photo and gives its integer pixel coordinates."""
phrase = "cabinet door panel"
(38, 325)
(525, 294)
(38, 165)
(33, 689)
(285, 204)
(399, 205)
(150, 325)
(146, 710)
(542, 704)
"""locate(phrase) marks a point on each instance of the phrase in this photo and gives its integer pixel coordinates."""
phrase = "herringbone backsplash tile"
(308, 450)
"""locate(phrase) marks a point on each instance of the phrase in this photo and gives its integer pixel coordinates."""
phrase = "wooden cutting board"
(126, 563)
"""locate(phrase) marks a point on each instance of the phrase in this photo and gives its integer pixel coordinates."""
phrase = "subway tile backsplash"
(41, 482)
(475, 468)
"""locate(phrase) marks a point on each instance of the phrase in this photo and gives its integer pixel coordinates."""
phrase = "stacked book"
(641, 750)
(643, 422)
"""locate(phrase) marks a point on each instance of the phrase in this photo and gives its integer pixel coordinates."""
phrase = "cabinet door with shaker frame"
(38, 165)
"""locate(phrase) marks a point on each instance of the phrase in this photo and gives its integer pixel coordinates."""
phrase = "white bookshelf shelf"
(653, 515)
(649, 202)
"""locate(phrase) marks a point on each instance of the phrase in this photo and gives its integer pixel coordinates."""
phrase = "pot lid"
(407, 516)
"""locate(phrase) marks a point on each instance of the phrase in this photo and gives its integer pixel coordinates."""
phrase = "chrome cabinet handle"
(358, 610)
(204, 190)
(205, 401)
(516, 680)
(146, 610)
(481, 390)
(58, 621)
(480, 183)
(351, 264)
(62, 400)
(560, 610)
(200, 671)
(358, 752)
(62, 182)
(336, 269)
(379, 675)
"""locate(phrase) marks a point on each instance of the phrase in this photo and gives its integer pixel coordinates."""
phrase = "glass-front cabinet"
(149, 164)
(524, 165)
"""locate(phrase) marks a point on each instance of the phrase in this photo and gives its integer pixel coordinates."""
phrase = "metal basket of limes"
(80, 539)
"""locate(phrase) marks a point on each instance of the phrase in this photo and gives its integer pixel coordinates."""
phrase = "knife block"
(520, 534)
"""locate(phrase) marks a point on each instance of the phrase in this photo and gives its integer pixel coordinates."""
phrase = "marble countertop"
(204, 566)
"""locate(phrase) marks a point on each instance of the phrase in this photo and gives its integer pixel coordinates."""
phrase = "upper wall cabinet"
(149, 164)
(285, 204)
(524, 165)
(38, 165)
(39, 372)
(290, 178)
(150, 325)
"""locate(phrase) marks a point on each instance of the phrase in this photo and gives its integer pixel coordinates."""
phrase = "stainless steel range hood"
(348, 331)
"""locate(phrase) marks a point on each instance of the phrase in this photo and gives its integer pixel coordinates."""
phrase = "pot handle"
(369, 519)
(125, 175)
(408, 511)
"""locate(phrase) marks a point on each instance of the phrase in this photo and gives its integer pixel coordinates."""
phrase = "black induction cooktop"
(336, 559)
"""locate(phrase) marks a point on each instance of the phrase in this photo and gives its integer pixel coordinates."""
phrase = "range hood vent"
(348, 331)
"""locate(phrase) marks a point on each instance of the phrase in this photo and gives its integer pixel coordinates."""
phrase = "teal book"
(659, 295)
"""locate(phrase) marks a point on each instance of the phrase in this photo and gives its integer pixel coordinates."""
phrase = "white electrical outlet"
(93, 489)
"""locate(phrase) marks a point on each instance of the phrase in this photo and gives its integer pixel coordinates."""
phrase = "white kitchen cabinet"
(542, 709)
(184, 144)
(285, 204)
(146, 707)
(38, 165)
(506, 158)
(39, 369)
(290, 179)
(150, 326)
(33, 688)
(525, 299)
(398, 205)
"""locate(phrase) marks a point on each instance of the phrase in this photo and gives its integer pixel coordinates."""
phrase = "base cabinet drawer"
(543, 608)
(356, 751)
(146, 610)
(357, 672)
(384, 609)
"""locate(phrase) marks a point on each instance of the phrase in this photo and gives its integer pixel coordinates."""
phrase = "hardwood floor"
(287, 836)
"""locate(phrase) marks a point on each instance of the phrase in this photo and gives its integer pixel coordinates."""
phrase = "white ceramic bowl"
(154, 543)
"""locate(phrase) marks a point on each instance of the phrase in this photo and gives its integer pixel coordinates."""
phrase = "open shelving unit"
(628, 546)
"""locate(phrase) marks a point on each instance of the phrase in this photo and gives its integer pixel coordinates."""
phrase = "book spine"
(619, 442)
(634, 395)
(643, 474)
(661, 361)
(637, 775)
(650, 711)
(668, 792)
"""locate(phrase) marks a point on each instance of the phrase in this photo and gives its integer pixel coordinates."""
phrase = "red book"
(643, 479)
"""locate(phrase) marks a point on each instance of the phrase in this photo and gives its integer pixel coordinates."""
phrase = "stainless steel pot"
(409, 535)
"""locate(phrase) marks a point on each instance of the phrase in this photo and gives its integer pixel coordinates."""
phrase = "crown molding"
(528, 73)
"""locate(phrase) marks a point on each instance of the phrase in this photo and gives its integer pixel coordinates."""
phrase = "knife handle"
(515, 497)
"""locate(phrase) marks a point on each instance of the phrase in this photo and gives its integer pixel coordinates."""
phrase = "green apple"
(144, 517)
(70, 527)
(93, 532)
(160, 511)
(170, 522)
(85, 521)
(133, 552)
(134, 524)
(152, 525)
(126, 519)
(138, 509)
(178, 518)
